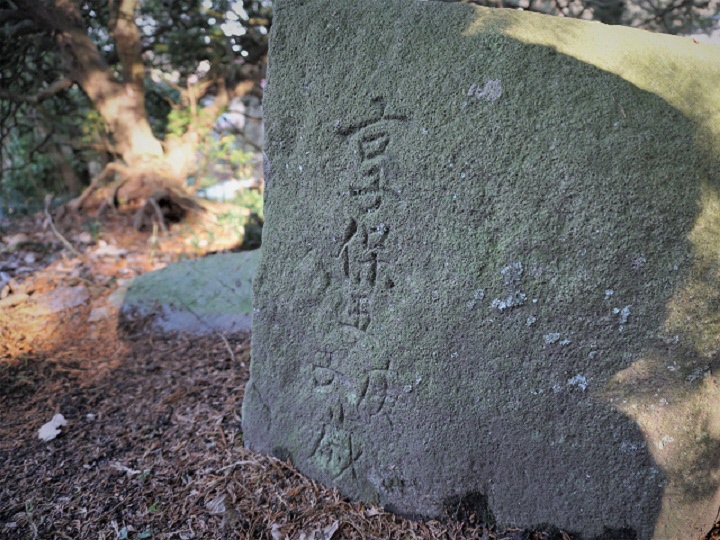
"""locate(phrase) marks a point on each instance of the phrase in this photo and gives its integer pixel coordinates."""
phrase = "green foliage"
(24, 181)
(217, 40)
(178, 122)
(159, 98)
(246, 219)
(252, 200)
(28, 171)
(220, 157)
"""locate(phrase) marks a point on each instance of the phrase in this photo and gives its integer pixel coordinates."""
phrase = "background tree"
(99, 89)
(95, 80)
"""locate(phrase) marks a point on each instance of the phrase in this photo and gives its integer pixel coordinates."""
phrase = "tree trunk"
(151, 174)
(121, 104)
(63, 169)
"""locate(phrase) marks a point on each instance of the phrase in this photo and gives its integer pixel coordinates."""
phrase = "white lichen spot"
(629, 447)
(407, 388)
(608, 293)
(492, 91)
(639, 262)
(625, 314)
(512, 273)
(530, 320)
(477, 296)
(673, 367)
(511, 277)
(454, 355)
(665, 440)
(579, 381)
(551, 338)
(510, 301)
(565, 342)
(435, 295)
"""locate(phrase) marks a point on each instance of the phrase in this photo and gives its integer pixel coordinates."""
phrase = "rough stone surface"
(491, 273)
(199, 296)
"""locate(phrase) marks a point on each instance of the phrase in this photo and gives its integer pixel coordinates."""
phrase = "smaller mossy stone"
(490, 273)
(199, 296)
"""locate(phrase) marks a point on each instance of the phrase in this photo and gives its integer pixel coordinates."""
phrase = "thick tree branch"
(50, 91)
(128, 43)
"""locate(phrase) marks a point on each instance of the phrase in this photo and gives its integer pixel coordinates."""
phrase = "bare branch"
(49, 222)
(50, 91)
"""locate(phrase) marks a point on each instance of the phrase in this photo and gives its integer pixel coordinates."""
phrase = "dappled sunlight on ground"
(50, 298)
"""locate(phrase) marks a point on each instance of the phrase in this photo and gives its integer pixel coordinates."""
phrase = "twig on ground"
(237, 464)
(227, 345)
(49, 222)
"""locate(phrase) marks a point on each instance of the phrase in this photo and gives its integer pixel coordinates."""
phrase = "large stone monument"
(491, 268)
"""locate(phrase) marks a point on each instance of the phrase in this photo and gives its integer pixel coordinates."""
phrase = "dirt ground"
(153, 445)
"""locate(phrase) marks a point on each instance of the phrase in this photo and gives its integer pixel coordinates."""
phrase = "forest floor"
(153, 445)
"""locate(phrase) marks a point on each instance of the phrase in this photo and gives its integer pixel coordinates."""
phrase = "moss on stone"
(544, 225)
